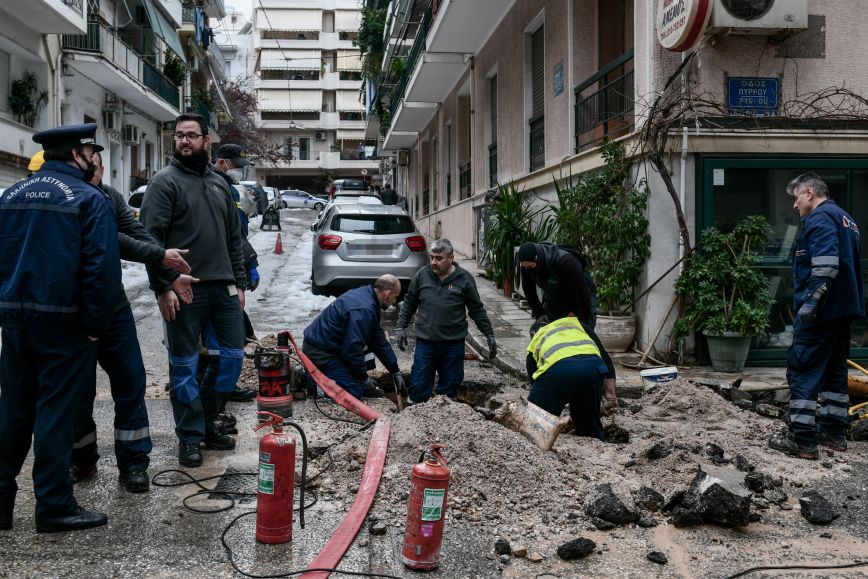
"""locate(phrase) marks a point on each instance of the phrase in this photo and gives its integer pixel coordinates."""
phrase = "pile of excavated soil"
(503, 485)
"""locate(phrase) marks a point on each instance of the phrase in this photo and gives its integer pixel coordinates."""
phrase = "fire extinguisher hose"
(303, 470)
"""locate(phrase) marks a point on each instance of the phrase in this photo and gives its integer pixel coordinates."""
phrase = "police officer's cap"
(233, 153)
(68, 136)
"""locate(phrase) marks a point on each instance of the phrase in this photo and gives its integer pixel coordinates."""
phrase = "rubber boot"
(212, 404)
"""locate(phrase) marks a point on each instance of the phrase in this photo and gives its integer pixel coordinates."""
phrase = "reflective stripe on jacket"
(560, 339)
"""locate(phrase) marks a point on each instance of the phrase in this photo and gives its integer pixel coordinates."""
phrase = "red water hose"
(342, 538)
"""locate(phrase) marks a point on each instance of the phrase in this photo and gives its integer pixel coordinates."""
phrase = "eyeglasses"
(188, 136)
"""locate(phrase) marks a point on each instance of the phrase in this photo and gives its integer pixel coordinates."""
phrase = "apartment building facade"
(523, 91)
(307, 77)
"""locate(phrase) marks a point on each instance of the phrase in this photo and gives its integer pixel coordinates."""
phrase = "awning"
(349, 60)
(348, 100)
(290, 59)
(164, 30)
(348, 20)
(294, 20)
(290, 100)
(350, 134)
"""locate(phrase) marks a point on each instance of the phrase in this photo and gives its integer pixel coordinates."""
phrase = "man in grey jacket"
(119, 355)
(441, 292)
(189, 205)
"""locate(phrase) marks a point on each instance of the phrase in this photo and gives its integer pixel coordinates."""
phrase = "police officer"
(61, 276)
(121, 358)
(828, 296)
(566, 366)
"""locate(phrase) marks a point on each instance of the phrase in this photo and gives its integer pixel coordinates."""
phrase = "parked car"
(347, 185)
(272, 194)
(299, 198)
(355, 244)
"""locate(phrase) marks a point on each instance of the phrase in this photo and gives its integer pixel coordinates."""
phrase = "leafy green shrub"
(603, 214)
(174, 68)
(512, 221)
(724, 290)
(26, 100)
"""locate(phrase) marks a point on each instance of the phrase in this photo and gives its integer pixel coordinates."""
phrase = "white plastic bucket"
(654, 376)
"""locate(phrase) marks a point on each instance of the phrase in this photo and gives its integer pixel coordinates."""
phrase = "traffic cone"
(278, 246)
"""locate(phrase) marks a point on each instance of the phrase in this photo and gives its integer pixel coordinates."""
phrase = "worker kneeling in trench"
(566, 365)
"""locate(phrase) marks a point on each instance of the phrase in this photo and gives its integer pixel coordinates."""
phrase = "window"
(435, 174)
(537, 89)
(4, 81)
(373, 224)
(447, 163)
(304, 148)
(492, 131)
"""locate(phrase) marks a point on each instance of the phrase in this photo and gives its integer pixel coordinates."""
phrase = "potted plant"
(174, 68)
(26, 100)
(603, 215)
(728, 299)
(512, 220)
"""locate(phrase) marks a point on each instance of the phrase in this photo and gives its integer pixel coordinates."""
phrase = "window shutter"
(537, 63)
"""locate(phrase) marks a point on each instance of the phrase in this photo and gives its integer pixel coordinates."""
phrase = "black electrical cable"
(797, 567)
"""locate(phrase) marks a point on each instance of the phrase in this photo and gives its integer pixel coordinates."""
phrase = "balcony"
(537, 142)
(463, 27)
(104, 58)
(49, 16)
(605, 103)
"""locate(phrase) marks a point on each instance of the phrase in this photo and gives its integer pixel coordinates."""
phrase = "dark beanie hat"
(527, 252)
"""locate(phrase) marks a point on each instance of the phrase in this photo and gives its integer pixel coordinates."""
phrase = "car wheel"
(285, 205)
(315, 289)
(319, 206)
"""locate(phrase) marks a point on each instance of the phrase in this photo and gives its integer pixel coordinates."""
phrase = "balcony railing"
(537, 141)
(188, 13)
(605, 103)
(492, 165)
(465, 187)
(100, 40)
(412, 57)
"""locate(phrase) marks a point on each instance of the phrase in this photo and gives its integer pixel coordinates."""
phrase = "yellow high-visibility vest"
(560, 339)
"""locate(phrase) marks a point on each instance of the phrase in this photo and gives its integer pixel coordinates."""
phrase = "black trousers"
(43, 375)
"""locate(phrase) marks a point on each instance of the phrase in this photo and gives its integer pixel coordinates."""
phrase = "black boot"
(212, 404)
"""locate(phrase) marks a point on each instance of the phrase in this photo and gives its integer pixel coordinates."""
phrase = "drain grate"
(235, 480)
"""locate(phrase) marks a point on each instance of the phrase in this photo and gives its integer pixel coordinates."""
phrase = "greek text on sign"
(748, 95)
(680, 23)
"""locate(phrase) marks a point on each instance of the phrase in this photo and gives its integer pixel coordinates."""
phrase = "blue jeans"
(212, 305)
(577, 381)
(444, 358)
(817, 375)
(43, 375)
(335, 369)
(120, 356)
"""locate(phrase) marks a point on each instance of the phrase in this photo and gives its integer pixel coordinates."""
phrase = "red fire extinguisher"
(274, 496)
(426, 510)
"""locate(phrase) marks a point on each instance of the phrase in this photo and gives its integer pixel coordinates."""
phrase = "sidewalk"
(512, 326)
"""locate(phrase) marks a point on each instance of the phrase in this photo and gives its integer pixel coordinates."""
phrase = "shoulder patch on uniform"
(849, 224)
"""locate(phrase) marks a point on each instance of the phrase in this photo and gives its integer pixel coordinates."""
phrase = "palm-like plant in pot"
(728, 298)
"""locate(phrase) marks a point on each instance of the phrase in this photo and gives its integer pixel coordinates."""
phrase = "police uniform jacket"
(184, 209)
(827, 253)
(59, 263)
(347, 327)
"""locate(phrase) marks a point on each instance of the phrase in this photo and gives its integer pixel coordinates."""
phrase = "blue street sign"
(750, 95)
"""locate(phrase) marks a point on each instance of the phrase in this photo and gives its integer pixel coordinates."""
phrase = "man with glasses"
(189, 205)
(60, 276)
(828, 297)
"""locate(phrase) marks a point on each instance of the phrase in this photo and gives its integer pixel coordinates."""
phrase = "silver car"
(353, 245)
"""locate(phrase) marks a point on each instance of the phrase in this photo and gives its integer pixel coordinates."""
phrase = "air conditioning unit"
(403, 158)
(111, 120)
(759, 17)
(131, 134)
(320, 136)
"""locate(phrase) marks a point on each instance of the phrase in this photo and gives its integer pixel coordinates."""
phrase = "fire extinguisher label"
(266, 478)
(432, 504)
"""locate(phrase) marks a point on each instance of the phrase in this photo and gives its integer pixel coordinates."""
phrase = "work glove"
(539, 323)
(398, 379)
(492, 347)
(254, 278)
(401, 338)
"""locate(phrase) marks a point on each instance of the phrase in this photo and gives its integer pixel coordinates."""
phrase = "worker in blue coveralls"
(338, 340)
(828, 297)
(60, 276)
(120, 356)
(188, 205)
